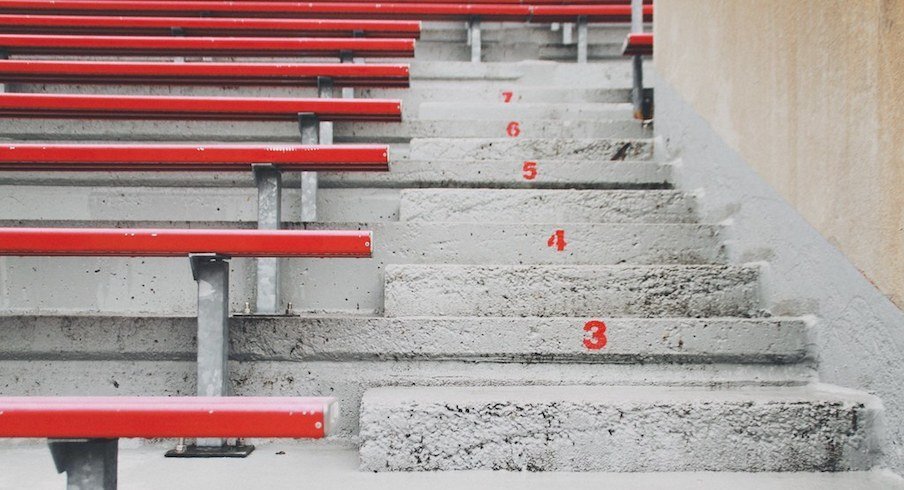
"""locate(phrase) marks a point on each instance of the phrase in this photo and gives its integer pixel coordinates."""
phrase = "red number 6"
(597, 338)
(513, 129)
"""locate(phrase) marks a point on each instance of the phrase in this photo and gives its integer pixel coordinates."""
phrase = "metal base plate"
(211, 452)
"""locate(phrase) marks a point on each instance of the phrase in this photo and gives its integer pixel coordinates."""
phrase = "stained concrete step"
(329, 465)
(598, 75)
(546, 206)
(516, 51)
(524, 111)
(352, 338)
(365, 133)
(571, 174)
(620, 428)
(593, 291)
(164, 286)
(530, 149)
(348, 380)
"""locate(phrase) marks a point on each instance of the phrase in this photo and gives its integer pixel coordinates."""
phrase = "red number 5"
(597, 339)
(529, 170)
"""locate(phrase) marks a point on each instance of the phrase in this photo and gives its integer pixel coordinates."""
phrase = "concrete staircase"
(465, 342)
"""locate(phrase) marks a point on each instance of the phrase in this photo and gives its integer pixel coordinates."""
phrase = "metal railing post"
(269, 217)
(583, 40)
(309, 126)
(474, 38)
(637, 60)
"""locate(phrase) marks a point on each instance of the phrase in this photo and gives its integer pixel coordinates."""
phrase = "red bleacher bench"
(58, 44)
(158, 157)
(196, 108)
(207, 73)
(638, 44)
(164, 242)
(83, 432)
(388, 11)
(187, 26)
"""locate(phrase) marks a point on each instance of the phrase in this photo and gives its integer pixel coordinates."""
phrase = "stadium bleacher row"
(38, 41)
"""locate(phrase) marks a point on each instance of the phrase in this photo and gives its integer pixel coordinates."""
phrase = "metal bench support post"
(583, 34)
(474, 38)
(269, 217)
(90, 464)
(309, 126)
(637, 61)
(211, 271)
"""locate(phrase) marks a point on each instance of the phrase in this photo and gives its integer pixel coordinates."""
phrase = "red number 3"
(597, 339)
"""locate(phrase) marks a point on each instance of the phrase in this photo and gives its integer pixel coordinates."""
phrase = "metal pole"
(637, 61)
(90, 464)
(474, 38)
(582, 39)
(309, 126)
(269, 217)
(211, 271)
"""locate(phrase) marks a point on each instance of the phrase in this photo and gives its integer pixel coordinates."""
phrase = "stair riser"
(529, 149)
(705, 291)
(629, 341)
(566, 435)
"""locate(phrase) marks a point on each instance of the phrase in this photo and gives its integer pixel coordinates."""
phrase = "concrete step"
(327, 465)
(622, 429)
(493, 126)
(164, 286)
(546, 206)
(572, 174)
(516, 51)
(592, 291)
(524, 148)
(481, 111)
(353, 338)
(515, 32)
(598, 75)
(348, 380)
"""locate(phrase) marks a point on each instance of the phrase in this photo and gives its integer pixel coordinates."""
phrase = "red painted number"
(507, 96)
(513, 129)
(529, 170)
(597, 339)
(557, 240)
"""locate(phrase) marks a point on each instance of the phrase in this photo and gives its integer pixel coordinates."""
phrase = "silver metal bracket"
(309, 126)
(474, 38)
(269, 217)
(583, 41)
(223, 451)
(88, 463)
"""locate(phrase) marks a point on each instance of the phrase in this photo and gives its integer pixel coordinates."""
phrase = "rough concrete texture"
(187, 204)
(546, 206)
(36, 285)
(487, 339)
(580, 126)
(594, 291)
(274, 463)
(576, 428)
(572, 174)
(348, 380)
(529, 149)
(501, 110)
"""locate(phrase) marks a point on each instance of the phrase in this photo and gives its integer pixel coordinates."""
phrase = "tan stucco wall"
(811, 94)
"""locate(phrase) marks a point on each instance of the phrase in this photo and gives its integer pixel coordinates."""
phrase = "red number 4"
(529, 170)
(597, 339)
(557, 240)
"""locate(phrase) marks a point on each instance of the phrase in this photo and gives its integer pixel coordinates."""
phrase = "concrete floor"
(318, 465)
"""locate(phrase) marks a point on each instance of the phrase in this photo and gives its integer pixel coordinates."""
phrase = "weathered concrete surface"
(486, 339)
(606, 74)
(348, 380)
(579, 126)
(594, 291)
(277, 464)
(186, 204)
(576, 428)
(526, 110)
(572, 174)
(546, 206)
(529, 149)
(37, 285)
